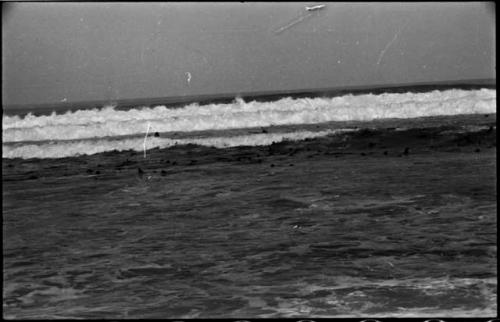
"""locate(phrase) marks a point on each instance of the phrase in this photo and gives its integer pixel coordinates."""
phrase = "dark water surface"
(346, 225)
(226, 98)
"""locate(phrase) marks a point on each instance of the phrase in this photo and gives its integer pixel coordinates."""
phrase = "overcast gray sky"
(93, 51)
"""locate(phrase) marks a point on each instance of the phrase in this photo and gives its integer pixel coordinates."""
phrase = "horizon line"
(198, 98)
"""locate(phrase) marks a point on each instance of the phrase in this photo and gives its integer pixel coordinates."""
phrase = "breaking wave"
(61, 149)
(108, 122)
(106, 129)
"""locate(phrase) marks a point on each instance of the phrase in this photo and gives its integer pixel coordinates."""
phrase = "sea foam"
(108, 122)
(106, 129)
(63, 149)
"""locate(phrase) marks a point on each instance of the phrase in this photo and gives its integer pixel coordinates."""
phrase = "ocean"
(372, 204)
(99, 130)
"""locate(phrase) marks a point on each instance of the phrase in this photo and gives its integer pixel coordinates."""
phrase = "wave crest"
(109, 122)
(61, 149)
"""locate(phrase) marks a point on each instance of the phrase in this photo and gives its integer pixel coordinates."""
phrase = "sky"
(70, 52)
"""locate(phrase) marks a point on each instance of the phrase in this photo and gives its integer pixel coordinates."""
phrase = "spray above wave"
(108, 122)
(61, 149)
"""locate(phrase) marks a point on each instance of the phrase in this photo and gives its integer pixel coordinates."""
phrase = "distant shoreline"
(225, 98)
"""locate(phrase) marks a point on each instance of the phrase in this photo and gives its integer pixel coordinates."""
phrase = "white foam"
(109, 122)
(61, 149)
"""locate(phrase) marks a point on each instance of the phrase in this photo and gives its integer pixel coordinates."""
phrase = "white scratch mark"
(314, 8)
(293, 23)
(188, 74)
(144, 145)
(382, 53)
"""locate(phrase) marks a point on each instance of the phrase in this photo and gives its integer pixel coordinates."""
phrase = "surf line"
(144, 144)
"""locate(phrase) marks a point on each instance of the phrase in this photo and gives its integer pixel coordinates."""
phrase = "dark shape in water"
(407, 151)
(366, 133)
(140, 172)
(157, 134)
(126, 162)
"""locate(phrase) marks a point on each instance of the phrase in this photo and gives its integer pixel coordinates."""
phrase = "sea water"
(300, 229)
(106, 129)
